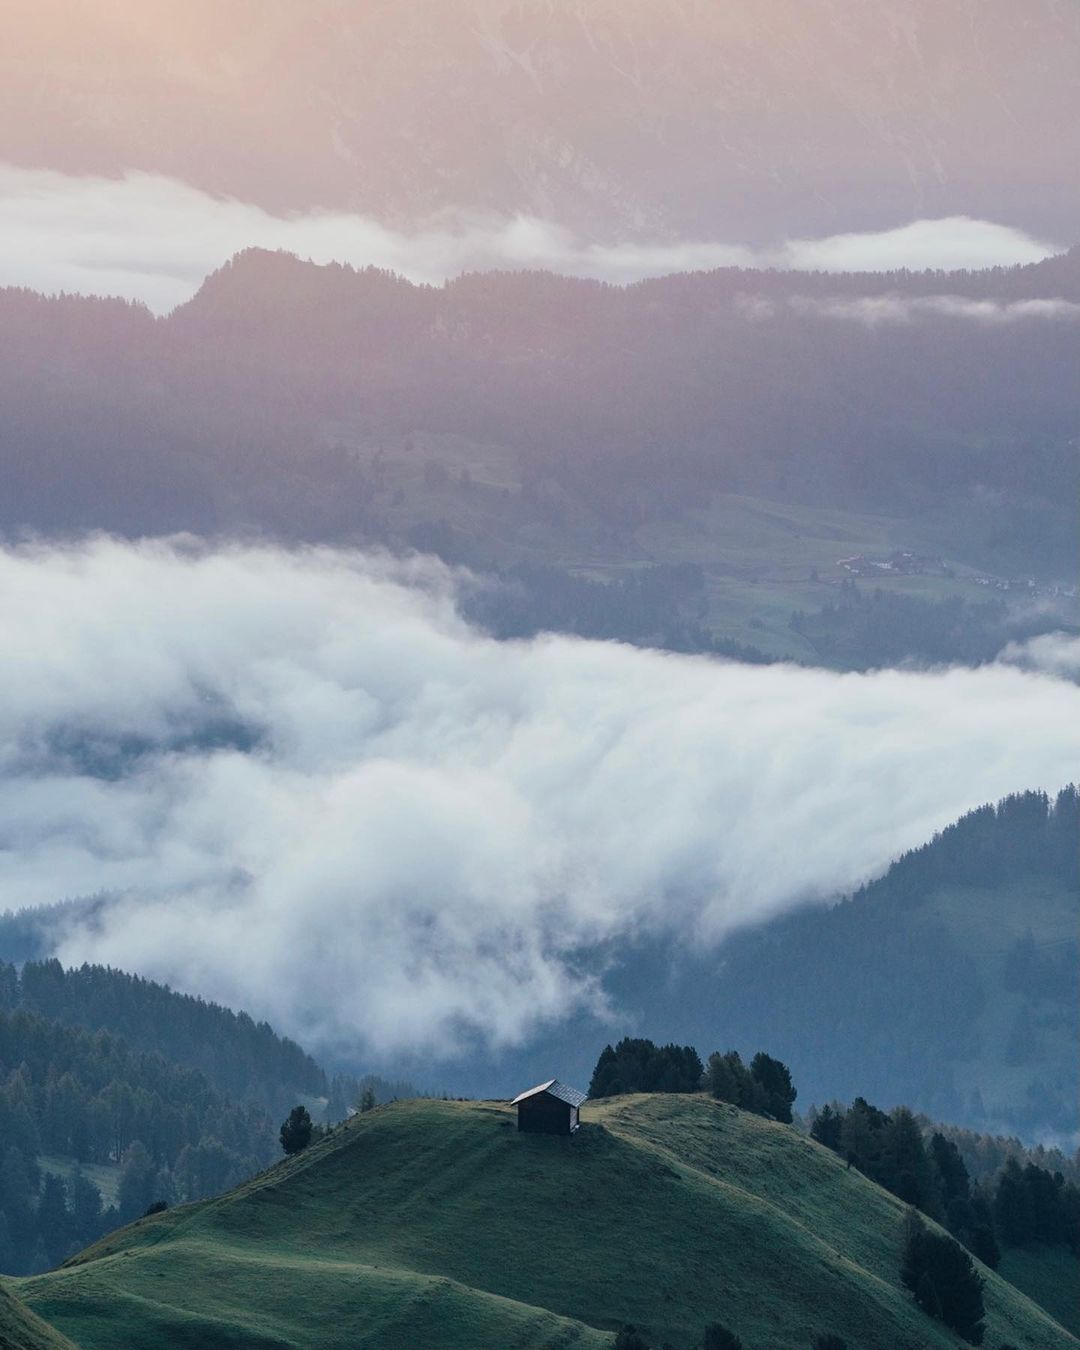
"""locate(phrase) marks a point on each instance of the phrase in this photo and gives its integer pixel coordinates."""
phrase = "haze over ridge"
(614, 119)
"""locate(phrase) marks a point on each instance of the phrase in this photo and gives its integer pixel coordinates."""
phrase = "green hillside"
(20, 1329)
(431, 1224)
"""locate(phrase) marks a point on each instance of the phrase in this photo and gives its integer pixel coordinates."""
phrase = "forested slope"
(94, 1132)
(950, 983)
(243, 1059)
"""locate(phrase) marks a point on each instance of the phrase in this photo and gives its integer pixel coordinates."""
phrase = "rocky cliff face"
(743, 119)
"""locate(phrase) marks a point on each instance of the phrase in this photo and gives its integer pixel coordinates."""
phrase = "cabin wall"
(544, 1115)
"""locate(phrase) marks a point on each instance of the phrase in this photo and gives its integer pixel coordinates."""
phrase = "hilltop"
(438, 1224)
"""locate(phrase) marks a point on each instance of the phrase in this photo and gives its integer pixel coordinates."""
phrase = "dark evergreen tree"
(84, 1201)
(774, 1079)
(296, 1130)
(903, 1165)
(1014, 1213)
(860, 1136)
(828, 1126)
(53, 1220)
(827, 1341)
(135, 1189)
(605, 1078)
(952, 1174)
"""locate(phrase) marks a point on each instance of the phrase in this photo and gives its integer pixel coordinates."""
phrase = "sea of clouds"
(153, 239)
(307, 787)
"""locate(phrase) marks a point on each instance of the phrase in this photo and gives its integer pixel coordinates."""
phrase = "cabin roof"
(554, 1088)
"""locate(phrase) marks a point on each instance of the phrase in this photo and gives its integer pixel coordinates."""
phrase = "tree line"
(763, 1086)
(242, 1059)
(862, 629)
(1022, 1204)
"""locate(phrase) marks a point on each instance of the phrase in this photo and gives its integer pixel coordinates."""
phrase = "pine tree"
(1013, 1211)
(296, 1131)
(605, 1079)
(774, 1077)
(827, 1341)
(827, 1127)
(133, 1192)
(903, 1165)
(54, 1222)
(84, 1200)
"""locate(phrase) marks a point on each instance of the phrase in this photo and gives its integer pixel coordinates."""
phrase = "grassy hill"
(436, 1224)
(20, 1329)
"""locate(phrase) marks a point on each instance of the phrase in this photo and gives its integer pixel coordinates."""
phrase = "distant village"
(906, 564)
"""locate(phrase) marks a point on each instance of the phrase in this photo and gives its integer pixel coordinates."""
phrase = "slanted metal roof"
(554, 1088)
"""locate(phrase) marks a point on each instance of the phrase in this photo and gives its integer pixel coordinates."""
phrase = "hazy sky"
(152, 239)
(316, 793)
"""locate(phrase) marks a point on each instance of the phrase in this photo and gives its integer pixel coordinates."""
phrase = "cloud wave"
(310, 789)
(154, 239)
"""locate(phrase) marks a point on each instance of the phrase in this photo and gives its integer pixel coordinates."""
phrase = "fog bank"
(315, 792)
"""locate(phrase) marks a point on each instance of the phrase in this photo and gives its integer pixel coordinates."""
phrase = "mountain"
(20, 1329)
(616, 118)
(766, 435)
(438, 1224)
(949, 983)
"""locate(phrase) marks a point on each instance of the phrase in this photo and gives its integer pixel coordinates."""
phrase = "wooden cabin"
(549, 1108)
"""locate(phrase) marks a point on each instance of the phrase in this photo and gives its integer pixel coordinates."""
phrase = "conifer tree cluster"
(1019, 1205)
(72, 1101)
(943, 1279)
(636, 1065)
(764, 1086)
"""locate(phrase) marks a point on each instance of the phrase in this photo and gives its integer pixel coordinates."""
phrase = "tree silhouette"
(296, 1131)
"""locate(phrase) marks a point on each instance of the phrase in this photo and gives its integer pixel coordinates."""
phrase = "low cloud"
(310, 789)
(896, 309)
(1052, 653)
(153, 239)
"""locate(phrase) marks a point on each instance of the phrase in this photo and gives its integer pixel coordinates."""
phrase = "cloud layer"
(875, 310)
(313, 791)
(153, 239)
